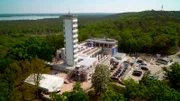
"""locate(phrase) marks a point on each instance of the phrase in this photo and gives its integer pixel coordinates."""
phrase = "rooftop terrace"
(103, 40)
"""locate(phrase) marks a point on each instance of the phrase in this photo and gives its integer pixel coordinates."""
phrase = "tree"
(57, 41)
(100, 79)
(7, 89)
(133, 90)
(172, 74)
(38, 67)
(76, 95)
(157, 90)
(111, 96)
(55, 97)
(32, 47)
(77, 87)
(17, 72)
(149, 90)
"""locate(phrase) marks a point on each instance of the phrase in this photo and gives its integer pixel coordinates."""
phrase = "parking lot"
(149, 64)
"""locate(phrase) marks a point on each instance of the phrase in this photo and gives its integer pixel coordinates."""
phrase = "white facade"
(71, 39)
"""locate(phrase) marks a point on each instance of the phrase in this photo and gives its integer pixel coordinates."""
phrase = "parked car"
(119, 75)
(115, 78)
(119, 71)
(137, 65)
(137, 73)
(144, 64)
(114, 74)
(144, 68)
(139, 61)
(122, 74)
(116, 63)
(114, 66)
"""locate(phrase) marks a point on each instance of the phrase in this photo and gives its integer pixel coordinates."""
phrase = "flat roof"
(70, 16)
(103, 40)
(165, 59)
(50, 82)
(86, 61)
(119, 55)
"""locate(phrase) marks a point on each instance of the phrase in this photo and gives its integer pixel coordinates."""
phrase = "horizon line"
(94, 12)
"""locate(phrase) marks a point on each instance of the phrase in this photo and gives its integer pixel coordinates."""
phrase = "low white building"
(84, 69)
(49, 83)
(119, 56)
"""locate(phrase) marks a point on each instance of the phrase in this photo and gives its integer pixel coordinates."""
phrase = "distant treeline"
(148, 31)
(43, 26)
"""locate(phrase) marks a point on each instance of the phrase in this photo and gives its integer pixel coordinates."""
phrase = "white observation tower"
(71, 39)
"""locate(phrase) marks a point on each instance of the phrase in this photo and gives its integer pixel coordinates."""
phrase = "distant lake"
(25, 17)
(9, 17)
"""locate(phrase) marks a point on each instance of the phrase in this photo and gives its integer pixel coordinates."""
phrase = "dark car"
(122, 74)
(114, 74)
(119, 75)
(119, 71)
(114, 66)
(116, 63)
(115, 78)
(144, 68)
(137, 73)
(139, 61)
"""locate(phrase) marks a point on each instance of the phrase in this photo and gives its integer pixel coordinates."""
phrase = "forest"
(147, 32)
(25, 43)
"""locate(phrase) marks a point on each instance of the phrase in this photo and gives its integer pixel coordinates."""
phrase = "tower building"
(71, 39)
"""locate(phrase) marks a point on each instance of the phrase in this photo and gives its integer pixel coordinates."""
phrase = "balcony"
(75, 35)
(76, 60)
(75, 51)
(75, 46)
(75, 41)
(75, 25)
(75, 30)
(75, 20)
(75, 56)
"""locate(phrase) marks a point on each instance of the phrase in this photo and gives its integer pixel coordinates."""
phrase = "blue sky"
(85, 6)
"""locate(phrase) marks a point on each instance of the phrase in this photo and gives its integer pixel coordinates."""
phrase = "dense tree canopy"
(111, 96)
(76, 95)
(172, 74)
(12, 79)
(33, 47)
(100, 78)
(149, 90)
(148, 31)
